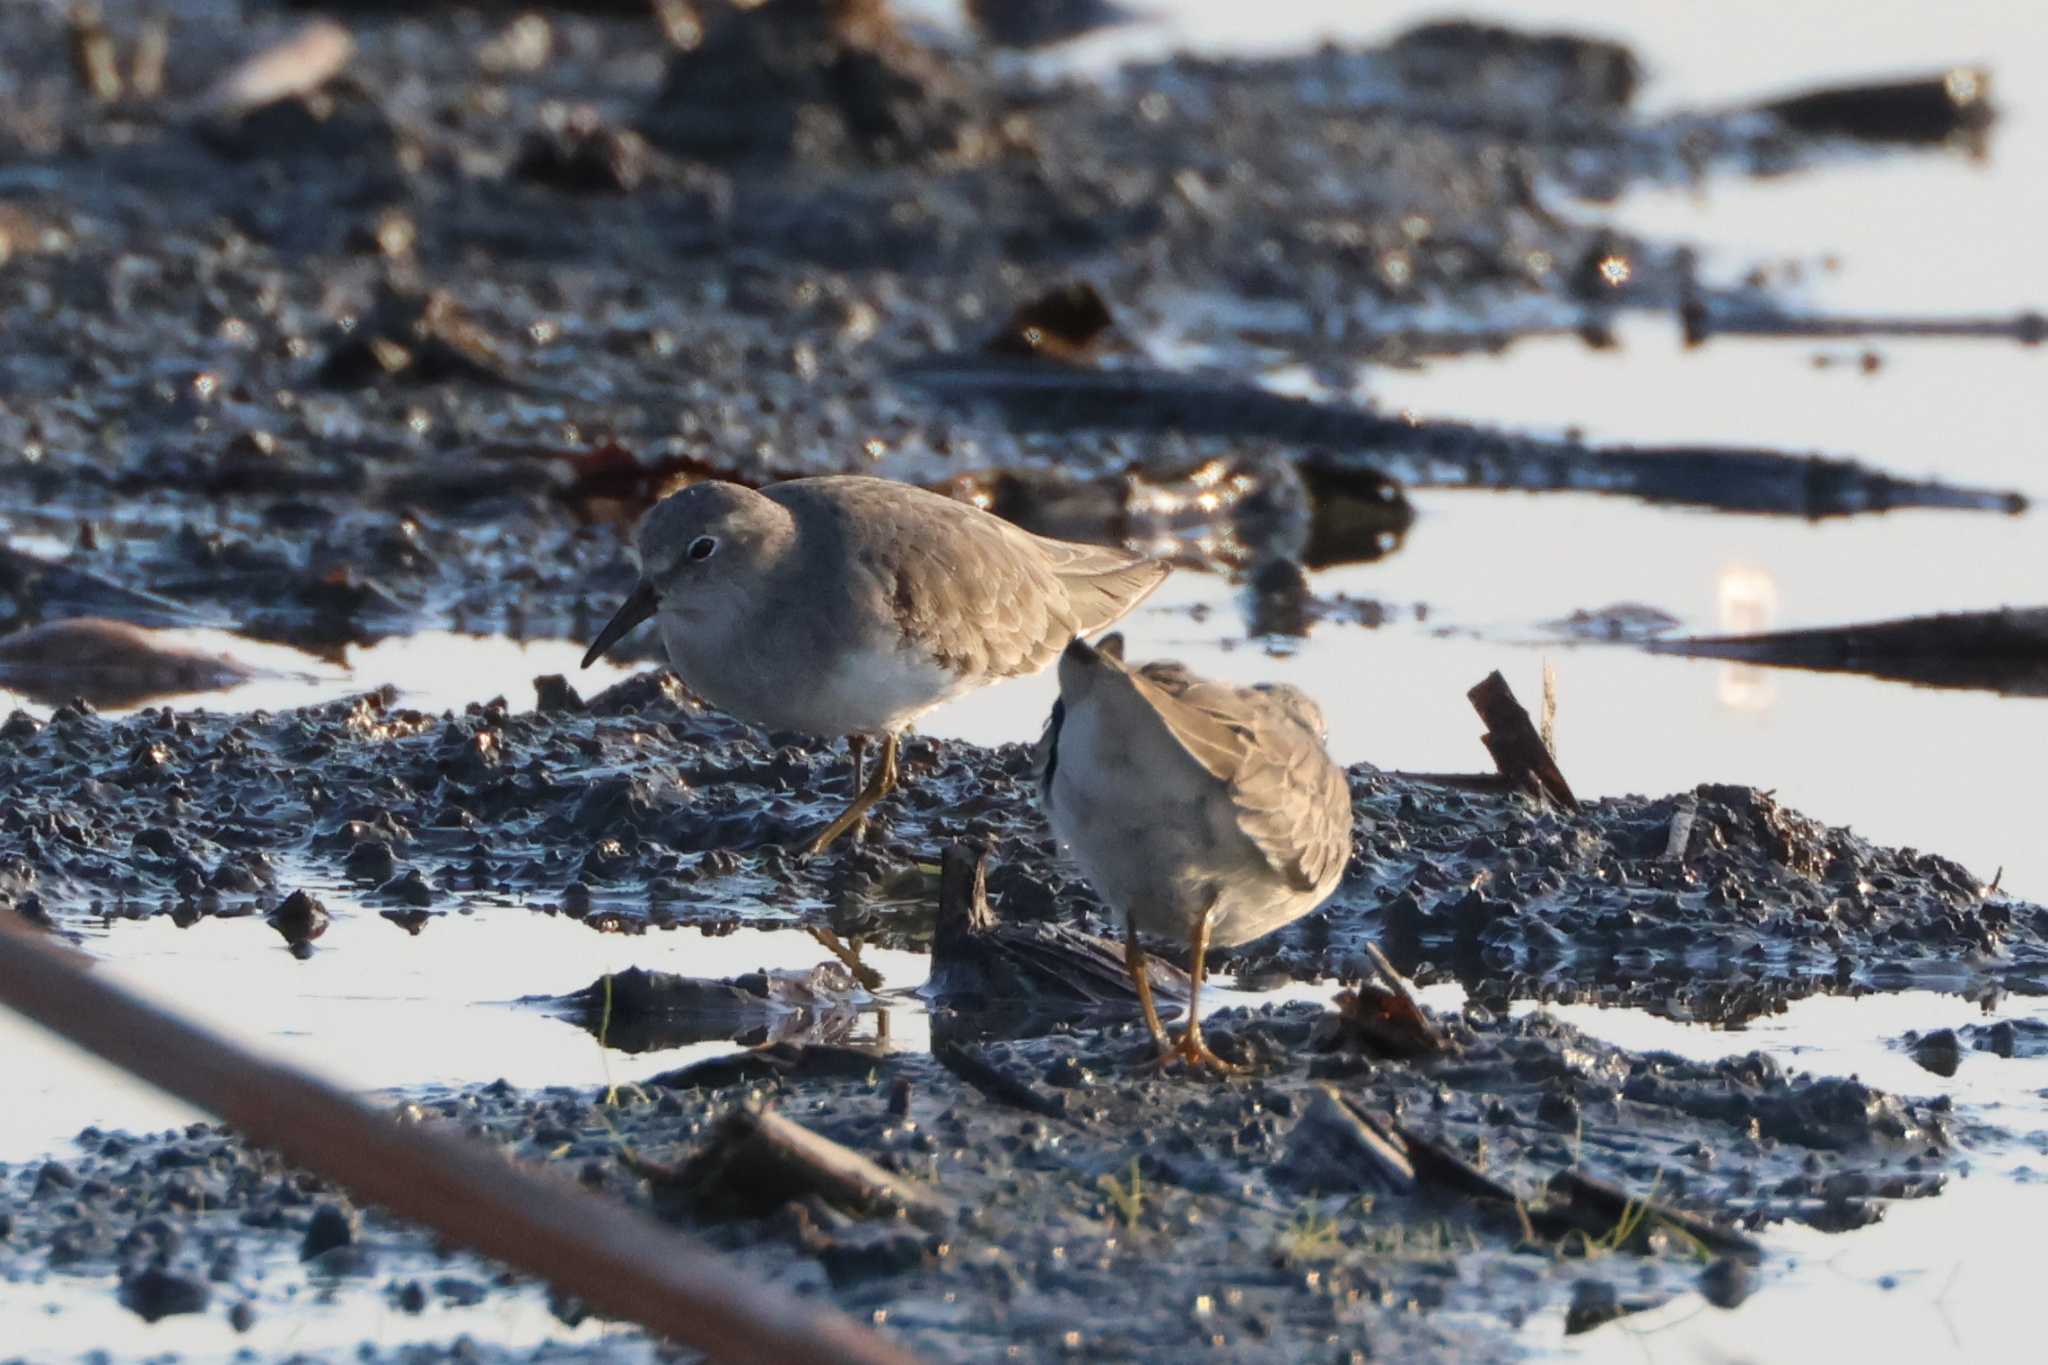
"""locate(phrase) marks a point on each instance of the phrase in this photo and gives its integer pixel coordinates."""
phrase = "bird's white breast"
(858, 692)
(872, 691)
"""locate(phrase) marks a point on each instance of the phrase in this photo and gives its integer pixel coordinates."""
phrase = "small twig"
(1680, 837)
(1549, 727)
(1392, 979)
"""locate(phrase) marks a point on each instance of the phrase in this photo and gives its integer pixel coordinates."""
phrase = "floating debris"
(1956, 103)
(109, 663)
(2004, 651)
(642, 1011)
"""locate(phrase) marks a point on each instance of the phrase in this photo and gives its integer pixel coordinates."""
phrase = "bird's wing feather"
(1102, 583)
(1268, 761)
(978, 593)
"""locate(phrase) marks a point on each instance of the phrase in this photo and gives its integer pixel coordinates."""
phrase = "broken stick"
(1518, 749)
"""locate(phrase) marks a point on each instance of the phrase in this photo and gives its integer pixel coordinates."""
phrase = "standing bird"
(851, 606)
(1194, 808)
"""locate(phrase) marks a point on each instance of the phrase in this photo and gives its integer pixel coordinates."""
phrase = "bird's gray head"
(702, 551)
(1082, 663)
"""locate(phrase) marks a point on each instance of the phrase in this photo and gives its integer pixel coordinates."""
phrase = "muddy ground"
(407, 348)
(399, 351)
(639, 812)
(1092, 1210)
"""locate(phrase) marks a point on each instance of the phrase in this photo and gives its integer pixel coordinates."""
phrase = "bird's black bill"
(635, 609)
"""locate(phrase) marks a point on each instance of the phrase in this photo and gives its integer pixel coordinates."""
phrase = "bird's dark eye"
(701, 547)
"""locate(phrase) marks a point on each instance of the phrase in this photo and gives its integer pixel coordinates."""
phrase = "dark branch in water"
(1033, 395)
(2002, 651)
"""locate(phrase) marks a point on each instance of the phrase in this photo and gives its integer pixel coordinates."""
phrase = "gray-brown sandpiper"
(1195, 808)
(852, 605)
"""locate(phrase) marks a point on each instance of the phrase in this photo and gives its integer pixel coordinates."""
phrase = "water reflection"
(1747, 601)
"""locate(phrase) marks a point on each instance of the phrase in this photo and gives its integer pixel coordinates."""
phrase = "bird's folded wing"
(984, 596)
(1290, 800)
(1102, 584)
(1295, 805)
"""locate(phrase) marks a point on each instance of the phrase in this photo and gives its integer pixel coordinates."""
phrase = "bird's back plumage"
(980, 596)
(1171, 788)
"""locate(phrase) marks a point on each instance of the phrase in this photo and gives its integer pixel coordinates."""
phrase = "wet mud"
(318, 335)
(639, 810)
(1088, 1206)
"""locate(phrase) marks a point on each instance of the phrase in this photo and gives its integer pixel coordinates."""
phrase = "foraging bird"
(851, 605)
(1194, 808)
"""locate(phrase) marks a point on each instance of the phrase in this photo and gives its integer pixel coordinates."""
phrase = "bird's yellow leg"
(1134, 962)
(878, 786)
(1190, 1048)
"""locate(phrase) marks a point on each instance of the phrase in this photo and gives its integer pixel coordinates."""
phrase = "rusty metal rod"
(618, 1260)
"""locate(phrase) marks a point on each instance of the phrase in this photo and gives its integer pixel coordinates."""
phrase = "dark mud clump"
(1138, 1216)
(641, 1011)
(811, 79)
(638, 810)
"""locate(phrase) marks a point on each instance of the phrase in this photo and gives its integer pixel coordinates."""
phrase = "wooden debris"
(1680, 837)
(1438, 1167)
(1610, 1207)
(1382, 1020)
(759, 1160)
(593, 1248)
(1579, 1205)
(1549, 727)
(1336, 1145)
(1518, 750)
(973, 1066)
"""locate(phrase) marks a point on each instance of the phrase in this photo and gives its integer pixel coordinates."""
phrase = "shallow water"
(1948, 1278)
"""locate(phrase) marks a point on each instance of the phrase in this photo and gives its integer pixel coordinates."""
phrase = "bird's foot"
(811, 846)
(1190, 1049)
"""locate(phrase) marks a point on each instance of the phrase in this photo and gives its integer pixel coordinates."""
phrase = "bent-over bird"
(852, 605)
(1196, 809)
